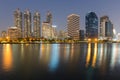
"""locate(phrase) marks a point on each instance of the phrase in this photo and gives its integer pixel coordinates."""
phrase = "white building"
(73, 25)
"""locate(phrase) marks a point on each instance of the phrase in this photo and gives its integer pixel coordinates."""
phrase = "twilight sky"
(60, 10)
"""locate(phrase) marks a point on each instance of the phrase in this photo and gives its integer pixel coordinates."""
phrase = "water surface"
(85, 61)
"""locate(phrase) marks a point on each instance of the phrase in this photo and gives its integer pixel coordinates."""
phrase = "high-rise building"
(18, 20)
(91, 23)
(46, 30)
(103, 21)
(36, 28)
(73, 25)
(54, 31)
(106, 28)
(109, 30)
(27, 24)
(82, 35)
(49, 17)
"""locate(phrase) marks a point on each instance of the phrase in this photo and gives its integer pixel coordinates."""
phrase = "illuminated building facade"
(13, 33)
(27, 24)
(36, 28)
(46, 30)
(91, 23)
(62, 34)
(73, 25)
(18, 20)
(54, 31)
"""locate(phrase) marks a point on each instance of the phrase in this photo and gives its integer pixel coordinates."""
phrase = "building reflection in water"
(66, 52)
(102, 58)
(7, 57)
(91, 57)
(114, 55)
(91, 60)
(100, 54)
(72, 52)
(54, 60)
(45, 50)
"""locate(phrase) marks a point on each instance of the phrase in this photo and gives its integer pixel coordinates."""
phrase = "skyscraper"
(103, 21)
(109, 30)
(46, 30)
(18, 20)
(73, 25)
(81, 34)
(49, 17)
(36, 28)
(106, 28)
(27, 24)
(91, 23)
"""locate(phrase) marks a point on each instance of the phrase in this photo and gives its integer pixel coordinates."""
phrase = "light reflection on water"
(85, 60)
(54, 60)
(94, 56)
(7, 57)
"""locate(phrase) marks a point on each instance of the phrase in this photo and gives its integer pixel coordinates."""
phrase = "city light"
(54, 26)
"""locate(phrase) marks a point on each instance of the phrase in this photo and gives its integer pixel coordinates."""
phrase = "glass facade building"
(81, 34)
(91, 23)
(106, 28)
(109, 30)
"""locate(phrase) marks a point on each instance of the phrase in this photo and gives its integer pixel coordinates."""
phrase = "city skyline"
(60, 10)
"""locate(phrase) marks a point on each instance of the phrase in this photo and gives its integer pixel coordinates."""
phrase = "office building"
(102, 32)
(109, 30)
(106, 28)
(91, 23)
(82, 35)
(73, 25)
(27, 24)
(36, 27)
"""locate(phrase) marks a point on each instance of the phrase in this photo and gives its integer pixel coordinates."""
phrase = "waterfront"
(84, 61)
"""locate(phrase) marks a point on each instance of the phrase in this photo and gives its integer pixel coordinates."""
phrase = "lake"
(84, 61)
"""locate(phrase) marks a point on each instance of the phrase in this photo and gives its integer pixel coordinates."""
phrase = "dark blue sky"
(60, 10)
